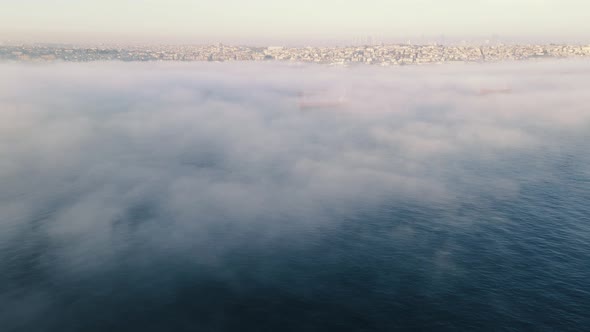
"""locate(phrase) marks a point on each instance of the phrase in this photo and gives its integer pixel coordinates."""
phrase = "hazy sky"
(290, 21)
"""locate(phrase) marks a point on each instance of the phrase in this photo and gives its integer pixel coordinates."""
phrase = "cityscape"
(384, 54)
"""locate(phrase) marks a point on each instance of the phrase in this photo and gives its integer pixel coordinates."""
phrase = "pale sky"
(272, 21)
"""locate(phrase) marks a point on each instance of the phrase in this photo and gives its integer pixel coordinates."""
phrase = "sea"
(204, 197)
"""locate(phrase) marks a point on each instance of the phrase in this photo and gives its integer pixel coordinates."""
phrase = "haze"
(291, 22)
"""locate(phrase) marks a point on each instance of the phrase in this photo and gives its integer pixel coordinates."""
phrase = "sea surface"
(206, 197)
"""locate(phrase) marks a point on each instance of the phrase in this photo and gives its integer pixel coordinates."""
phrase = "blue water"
(506, 247)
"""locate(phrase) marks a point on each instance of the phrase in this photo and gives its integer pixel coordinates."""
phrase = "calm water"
(191, 199)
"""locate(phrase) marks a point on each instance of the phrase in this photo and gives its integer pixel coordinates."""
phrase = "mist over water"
(203, 197)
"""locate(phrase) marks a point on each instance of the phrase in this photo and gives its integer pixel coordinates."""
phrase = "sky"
(291, 22)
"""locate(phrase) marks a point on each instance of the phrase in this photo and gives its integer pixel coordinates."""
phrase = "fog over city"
(112, 172)
(310, 165)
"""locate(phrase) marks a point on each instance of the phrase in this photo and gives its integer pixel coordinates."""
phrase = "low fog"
(110, 164)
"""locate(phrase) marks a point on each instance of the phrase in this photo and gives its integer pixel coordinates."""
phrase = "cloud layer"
(106, 162)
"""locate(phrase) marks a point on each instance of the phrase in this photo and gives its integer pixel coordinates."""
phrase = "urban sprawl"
(385, 55)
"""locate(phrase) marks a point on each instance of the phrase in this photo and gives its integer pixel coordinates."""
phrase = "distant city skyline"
(384, 55)
(294, 22)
